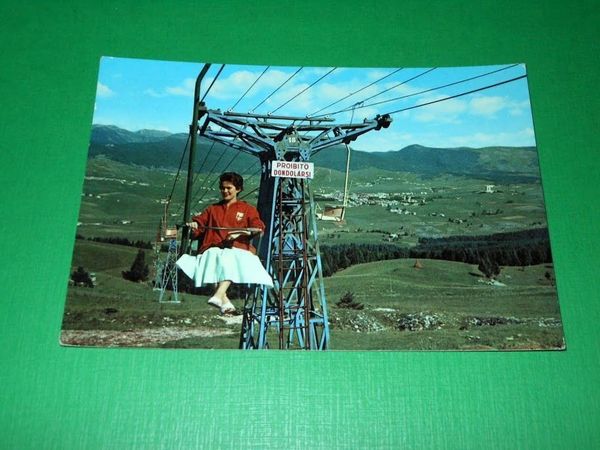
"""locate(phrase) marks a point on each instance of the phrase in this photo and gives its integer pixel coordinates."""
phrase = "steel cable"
(303, 90)
(457, 95)
(280, 86)
(421, 92)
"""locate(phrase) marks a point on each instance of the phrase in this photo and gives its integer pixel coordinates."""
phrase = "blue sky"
(144, 94)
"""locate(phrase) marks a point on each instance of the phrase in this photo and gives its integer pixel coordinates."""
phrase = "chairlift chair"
(338, 213)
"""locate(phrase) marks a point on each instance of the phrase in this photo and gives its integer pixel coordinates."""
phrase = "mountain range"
(161, 149)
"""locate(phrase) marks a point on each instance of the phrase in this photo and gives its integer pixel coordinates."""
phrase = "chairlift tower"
(166, 275)
(293, 314)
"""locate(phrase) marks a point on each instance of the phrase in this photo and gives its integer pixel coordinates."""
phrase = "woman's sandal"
(215, 301)
(228, 308)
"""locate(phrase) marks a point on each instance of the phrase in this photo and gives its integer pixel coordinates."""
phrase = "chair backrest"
(170, 233)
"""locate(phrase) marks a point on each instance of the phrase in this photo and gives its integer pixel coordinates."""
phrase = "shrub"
(81, 277)
(347, 301)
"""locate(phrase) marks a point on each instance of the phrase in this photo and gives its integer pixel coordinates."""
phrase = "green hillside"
(125, 200)
(442, 305)
(500, 164)
(164, 151)
(159, 149)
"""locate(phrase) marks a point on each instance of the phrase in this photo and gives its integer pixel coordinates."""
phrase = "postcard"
(230, 206)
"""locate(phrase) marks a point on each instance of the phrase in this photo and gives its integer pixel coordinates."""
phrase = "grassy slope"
(441, 288)
(452, 292)
(136, 303)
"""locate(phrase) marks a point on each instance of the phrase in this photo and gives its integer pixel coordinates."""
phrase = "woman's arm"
(254, 220)
(198, 223)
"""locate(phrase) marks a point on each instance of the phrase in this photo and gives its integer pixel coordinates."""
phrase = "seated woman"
(226, 255)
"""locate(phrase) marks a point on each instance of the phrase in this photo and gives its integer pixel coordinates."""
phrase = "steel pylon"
(293, 314)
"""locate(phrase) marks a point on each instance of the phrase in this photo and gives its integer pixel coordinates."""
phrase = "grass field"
(441, 306)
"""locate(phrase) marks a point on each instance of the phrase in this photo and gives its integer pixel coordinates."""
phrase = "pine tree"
(489, 267)
(139, 269)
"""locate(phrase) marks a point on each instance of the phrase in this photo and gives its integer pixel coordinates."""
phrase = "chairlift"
(337, 213)
(166, 232)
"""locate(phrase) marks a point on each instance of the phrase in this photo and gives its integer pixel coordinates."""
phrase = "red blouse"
(237, 215)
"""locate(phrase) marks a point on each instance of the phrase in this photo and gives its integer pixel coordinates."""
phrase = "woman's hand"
(233, 235)
(192, 225)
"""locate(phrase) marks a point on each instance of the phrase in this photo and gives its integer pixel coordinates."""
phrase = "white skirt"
(219, 264)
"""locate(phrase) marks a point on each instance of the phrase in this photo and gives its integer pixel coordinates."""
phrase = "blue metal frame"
(284, 309)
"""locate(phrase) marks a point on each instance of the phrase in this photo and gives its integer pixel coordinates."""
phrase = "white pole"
(345, 203)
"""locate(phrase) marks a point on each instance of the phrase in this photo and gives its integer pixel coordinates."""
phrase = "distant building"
(489, 188)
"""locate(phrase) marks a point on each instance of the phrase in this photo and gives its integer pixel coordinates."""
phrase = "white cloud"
(519, 108)
(376, 74)
(185, 88)
(331, 92)
(383, 141)
(521, 138)
(103, 90)
(487, 106)
(153, 93)
(232, 87)
(447, 111)
(316, 72)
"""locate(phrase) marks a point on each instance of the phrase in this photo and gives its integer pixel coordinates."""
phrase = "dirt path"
(146, 337)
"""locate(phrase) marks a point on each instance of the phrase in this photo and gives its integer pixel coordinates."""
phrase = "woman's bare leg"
(221, 292)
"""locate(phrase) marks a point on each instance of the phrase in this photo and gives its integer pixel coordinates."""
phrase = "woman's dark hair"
(234, 178)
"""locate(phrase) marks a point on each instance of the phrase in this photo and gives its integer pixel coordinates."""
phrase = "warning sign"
(292, 169)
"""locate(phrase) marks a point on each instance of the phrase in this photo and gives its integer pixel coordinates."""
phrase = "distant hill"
(110, 134)
(493, 163)
(154, 148)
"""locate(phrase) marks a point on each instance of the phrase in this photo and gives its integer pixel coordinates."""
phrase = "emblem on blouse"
(239, 216)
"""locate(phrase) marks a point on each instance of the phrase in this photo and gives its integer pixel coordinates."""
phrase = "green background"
(70, 398)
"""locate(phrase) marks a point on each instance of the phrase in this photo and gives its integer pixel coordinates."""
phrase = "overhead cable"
(457, 95)
(178, 172)
(303, 90)
(213, 82)
(395, 99)
(251, 86)
(280, 86)
(357, 91)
